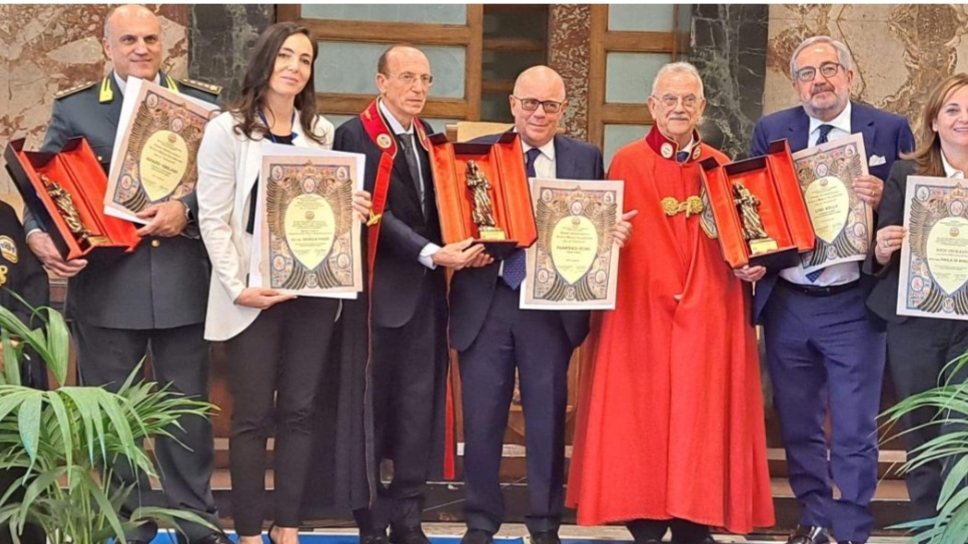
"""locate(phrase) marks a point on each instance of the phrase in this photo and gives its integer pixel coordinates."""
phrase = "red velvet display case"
(773, 180)
(78, 171)
(502, 163)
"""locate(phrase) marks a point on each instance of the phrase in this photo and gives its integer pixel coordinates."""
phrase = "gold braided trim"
(692, 206)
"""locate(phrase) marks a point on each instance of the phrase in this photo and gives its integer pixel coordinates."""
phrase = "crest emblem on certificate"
(574, 262)
(306, 240)
(934, 256)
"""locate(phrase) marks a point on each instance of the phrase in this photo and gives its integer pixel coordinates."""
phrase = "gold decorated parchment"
(842, 221)
(156, 159)
(309, 237)
(933, 278)
(574, 263)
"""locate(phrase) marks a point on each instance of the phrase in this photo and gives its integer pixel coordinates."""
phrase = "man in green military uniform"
(151, 299)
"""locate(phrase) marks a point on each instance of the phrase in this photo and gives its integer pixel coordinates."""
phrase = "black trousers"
(180, 358)
(277, 363)
(536, 344)
(409, 369)
(917, 351)
(32, 534)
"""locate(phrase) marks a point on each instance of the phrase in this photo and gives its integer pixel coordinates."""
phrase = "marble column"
(220, 38)
(569, 53)
(729, 44)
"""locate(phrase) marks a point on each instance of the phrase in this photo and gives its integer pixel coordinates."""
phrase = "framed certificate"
(933, 280)
(306, 239)
(159, 133)
(574, 264)
(841, 220)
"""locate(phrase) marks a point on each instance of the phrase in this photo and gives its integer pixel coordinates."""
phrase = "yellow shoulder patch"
(201, 86)
(74, 89)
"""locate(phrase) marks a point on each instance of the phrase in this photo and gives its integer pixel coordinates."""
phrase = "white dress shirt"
(545, 166)
(950, 171)
(123, 83)
(835, 274)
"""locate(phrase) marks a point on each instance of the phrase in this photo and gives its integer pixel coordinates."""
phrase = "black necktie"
(824, 131)
(409, 153)
(529, 158)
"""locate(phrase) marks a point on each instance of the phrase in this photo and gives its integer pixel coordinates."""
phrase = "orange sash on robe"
(670, 421)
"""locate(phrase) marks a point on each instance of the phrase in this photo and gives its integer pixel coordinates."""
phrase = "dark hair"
(927, 155)
(256, 83)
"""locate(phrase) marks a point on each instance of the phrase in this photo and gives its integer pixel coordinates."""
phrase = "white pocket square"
(877, 160)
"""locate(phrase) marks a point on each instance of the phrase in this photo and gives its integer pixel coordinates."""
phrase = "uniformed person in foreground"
(151, 300)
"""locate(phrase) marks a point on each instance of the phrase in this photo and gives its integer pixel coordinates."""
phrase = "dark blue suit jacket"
(885, 134)
(472, 289)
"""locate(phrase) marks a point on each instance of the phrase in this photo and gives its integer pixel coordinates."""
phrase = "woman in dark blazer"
(278, 345)
(919, 348)
(21, 273)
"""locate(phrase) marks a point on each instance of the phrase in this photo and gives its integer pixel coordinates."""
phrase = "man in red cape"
(671, 430)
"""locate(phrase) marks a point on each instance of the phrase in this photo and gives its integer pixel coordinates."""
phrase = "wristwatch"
(188, 211)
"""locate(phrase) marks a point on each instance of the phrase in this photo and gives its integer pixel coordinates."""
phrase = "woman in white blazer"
(277, 344)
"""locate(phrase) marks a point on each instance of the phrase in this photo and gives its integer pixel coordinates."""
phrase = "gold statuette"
(65, 205)
(753, 232)
(483, 213)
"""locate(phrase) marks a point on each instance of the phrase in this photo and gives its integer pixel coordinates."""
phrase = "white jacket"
(228, 166)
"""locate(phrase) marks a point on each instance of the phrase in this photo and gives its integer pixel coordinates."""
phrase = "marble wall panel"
(45, 48)
(569, 53)
(220, 39)
(900, 51)
(728, 47)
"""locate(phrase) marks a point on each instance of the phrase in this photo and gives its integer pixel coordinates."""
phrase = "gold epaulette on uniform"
(201, 86)
(75, 89)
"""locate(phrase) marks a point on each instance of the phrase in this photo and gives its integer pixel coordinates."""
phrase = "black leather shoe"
(477, 536)
(211, 538)
(373, 538)
(214, 538)
(545, 537)
(408, 535)
(809, 534)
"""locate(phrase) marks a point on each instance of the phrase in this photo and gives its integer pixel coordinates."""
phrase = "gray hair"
(843, 54)
(678, 68)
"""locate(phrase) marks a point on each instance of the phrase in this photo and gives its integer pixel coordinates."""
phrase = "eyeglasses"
(670, 101)
(531, 104)
(409, 79)
(827, 69)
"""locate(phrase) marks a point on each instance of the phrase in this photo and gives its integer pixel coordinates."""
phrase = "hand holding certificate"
(841, 220)
(934, 256)
(574, 264)
(307, 236)
(159, 133)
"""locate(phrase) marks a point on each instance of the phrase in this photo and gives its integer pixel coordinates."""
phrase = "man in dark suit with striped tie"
(820, 345)
(495, 337)
(409, 305)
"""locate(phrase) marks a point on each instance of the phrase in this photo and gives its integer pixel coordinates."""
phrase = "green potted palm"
(949, 401)
(64, 442)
